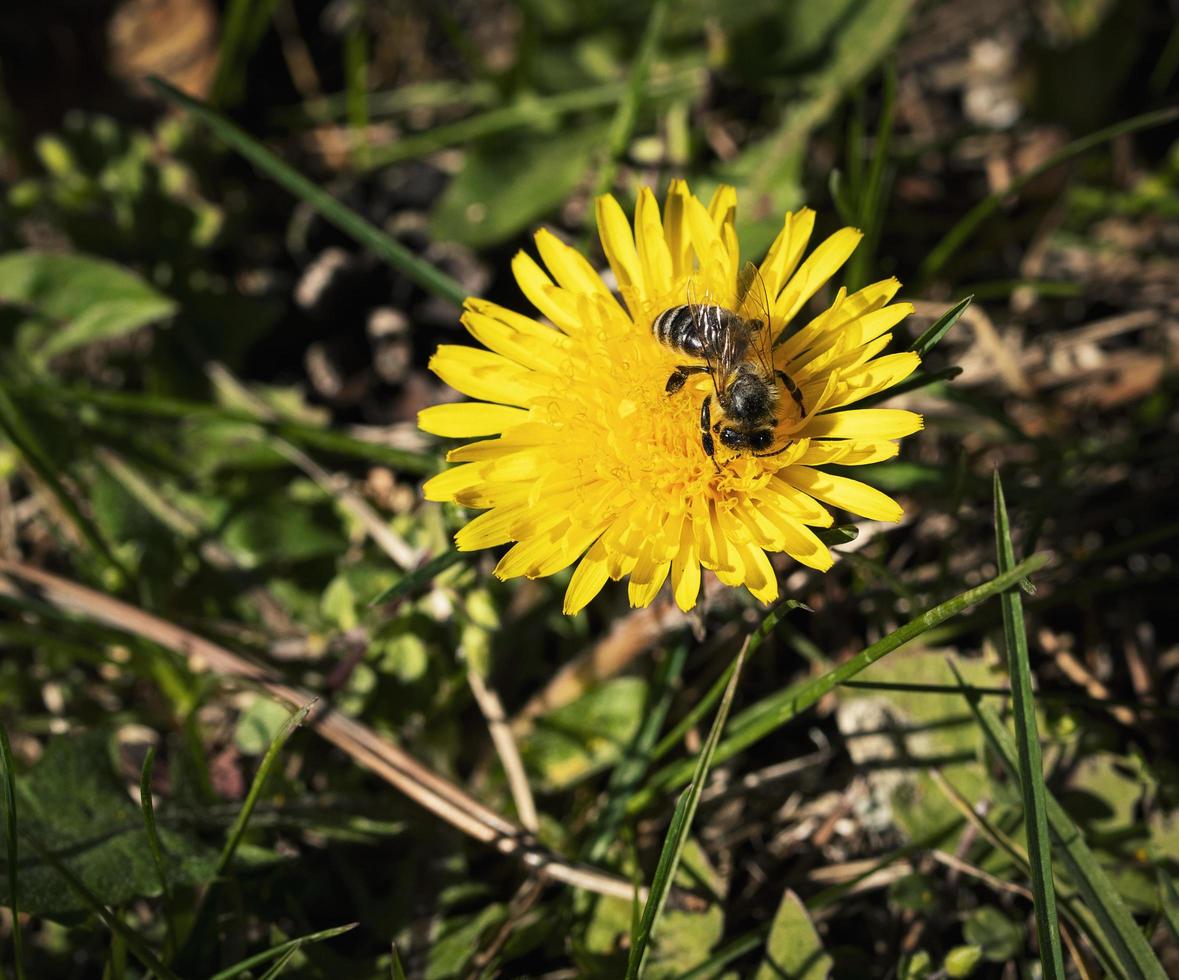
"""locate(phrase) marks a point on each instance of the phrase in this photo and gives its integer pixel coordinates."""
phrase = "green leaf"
(677, 832)
(584, 737)
(771, 713)
(940, 327)
(259, 725)
(793, 950)
(999, 938)
(962, 961)
(508, 185)
(891, 733)
(1031, 769)
(76, 805)
(1096, 890)
(83, 299)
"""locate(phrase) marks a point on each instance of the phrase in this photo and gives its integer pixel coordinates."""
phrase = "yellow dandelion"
(589, 452)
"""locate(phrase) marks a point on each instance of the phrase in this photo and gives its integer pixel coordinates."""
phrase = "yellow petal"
(760, 578)
(872, 325)
(552, 301)
(588, 579)
(545, 552)
(619, 245)
(486, 376)
(569, 267)
(851, 495)
(716, 262)
(675, 227)
(871, 297)
(723, 211)
(685, 569)
(877, 375)
(489, 529)
(820, 266)
(539, 353)
(781, 494)
(646, 580)
(786, 252)
(654, 256)
(462, 420)
(449, 482)
(804, 547)
(865, 423)
(848, 452)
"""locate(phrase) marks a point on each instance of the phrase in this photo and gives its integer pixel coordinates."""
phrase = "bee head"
(742, 439)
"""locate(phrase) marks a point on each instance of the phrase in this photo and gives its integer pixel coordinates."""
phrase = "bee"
(738, 355)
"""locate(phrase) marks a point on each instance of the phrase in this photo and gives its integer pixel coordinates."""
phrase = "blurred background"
(207, 403)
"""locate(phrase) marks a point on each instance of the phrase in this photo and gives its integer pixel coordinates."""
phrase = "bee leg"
(792, 388)
(706, 430)
(777, 452)
(679, 376)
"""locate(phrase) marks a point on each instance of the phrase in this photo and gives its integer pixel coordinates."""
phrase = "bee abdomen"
(694, 330)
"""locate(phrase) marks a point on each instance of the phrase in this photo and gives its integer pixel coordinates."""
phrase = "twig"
(421, 784)
(1079, 674)
(505, 745)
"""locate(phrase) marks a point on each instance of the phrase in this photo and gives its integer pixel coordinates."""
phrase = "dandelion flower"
(581, 455)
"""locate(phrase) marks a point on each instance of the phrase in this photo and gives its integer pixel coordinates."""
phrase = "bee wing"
(753, 298)
(700, 299)
(753, 303)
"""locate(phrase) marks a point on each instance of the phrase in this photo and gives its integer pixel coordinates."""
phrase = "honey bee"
(738, 355)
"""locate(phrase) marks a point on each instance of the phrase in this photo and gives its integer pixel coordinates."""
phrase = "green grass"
(205, 481)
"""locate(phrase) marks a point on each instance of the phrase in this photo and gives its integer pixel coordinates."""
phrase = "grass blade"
(939, 328)
(153, 842)
(1096, 890)
(681, 823)
(243, 26)
(134, 944)
(700, 708)
(8, 811)
(238, 830)
(957, 236)
(623, 123)
(412, 581)
(1031, 769)
(627, 776)
(771, 713)
(356, 81)
(348, 221)
(871, 194)
(13, 426)
(230, 973)
(304, 433)
(281, 964)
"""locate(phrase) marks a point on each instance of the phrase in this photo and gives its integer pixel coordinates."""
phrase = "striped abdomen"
(696, 329)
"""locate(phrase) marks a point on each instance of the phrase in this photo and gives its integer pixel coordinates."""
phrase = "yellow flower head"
(589, 457)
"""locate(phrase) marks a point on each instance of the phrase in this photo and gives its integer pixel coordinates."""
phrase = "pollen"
(576, 453)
